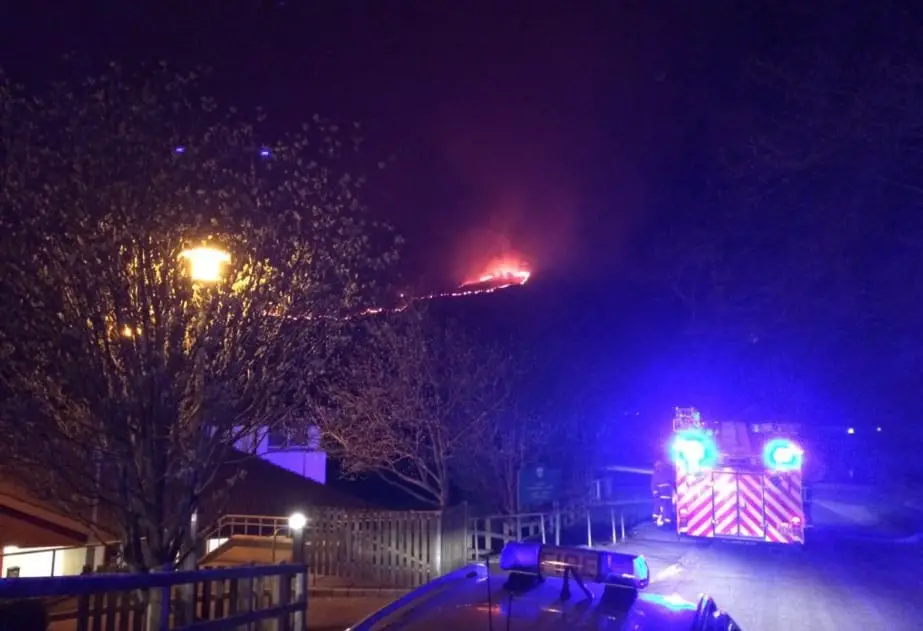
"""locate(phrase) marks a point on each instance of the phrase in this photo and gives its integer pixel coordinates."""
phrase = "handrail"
(32, 587)
(270, 524)
(252, 594)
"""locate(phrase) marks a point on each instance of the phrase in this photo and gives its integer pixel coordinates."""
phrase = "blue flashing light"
(595, 566)
(640, 571)
(520, 557)
(671, 602)
(781, 454)
(265, 152)
(179, 149)
(694, 450)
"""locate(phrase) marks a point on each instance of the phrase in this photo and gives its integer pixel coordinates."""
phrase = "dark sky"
(567, 133)
(529, 129)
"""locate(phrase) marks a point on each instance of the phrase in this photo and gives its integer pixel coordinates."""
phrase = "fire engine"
(737, 481)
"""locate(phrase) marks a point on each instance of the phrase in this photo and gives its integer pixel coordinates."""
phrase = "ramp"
(246, 549)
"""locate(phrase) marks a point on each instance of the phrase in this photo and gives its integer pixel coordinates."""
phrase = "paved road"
(836, 583)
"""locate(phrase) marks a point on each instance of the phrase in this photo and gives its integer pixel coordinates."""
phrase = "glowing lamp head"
(694, 450)
(781, 454)
(206, 264)
(297, 521)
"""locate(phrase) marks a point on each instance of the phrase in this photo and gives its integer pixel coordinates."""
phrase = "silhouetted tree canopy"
(126, 379)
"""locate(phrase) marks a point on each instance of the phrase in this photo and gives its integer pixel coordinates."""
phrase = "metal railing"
(579, 525)
(247, 525)
(490, 533)
(218, 599)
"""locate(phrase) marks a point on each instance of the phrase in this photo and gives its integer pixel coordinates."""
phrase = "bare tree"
(132, 361)
(489, 474)
(417, 399)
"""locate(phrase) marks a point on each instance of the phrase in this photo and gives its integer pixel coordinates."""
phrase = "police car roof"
(460, 602)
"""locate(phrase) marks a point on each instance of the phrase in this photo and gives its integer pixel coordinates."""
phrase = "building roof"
(266, 489)
(263, 489)
(25, 522)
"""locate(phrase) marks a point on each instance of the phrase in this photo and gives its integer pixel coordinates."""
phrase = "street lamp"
(205, 266)
(206, 263)
(296, 523)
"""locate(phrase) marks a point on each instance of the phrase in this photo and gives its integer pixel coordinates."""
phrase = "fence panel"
(453, 542)
(395, 548)
(230, 598)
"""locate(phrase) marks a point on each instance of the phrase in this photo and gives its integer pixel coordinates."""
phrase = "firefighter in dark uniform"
(663, 483)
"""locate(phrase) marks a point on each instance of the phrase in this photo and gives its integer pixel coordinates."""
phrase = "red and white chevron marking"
(750, 505)
(694, 503)
(784, 507)
(738, 505)
(725, 485)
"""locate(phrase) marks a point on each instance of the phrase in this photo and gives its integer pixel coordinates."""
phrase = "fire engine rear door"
(738, 505)
(695, 506)
(784, 508)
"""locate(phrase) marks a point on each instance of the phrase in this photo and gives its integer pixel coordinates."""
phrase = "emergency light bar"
(694, 449)
(781, 454)
(597, 566)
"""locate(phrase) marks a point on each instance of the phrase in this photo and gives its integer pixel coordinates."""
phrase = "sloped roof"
(19, 503)
(266, 489)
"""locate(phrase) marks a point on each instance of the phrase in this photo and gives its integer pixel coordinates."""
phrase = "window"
(278, 439)
(301, 437)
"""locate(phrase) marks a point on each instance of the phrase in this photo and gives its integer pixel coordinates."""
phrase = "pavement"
(834, 583)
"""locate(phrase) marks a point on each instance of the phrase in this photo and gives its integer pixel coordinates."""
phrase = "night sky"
(521, 128)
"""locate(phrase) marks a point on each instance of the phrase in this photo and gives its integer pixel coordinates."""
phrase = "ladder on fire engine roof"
(734, 439)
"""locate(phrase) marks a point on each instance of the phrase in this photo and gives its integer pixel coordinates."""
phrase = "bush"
(23, 615)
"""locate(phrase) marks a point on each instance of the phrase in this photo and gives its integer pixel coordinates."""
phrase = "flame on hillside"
(501, 272)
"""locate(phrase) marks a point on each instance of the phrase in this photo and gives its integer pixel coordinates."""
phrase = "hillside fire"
(498, 275)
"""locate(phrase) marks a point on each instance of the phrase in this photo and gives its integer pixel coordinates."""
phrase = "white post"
(589, 529)
(557, 524)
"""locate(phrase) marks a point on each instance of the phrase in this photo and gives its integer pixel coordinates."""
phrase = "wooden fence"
(405, 549)
(271, 598)
(362, 547)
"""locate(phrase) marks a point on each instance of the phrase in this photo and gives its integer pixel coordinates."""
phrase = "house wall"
(299, 454)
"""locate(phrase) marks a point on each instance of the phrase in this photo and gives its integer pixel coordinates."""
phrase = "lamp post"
(296, 525)
(206, 267)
